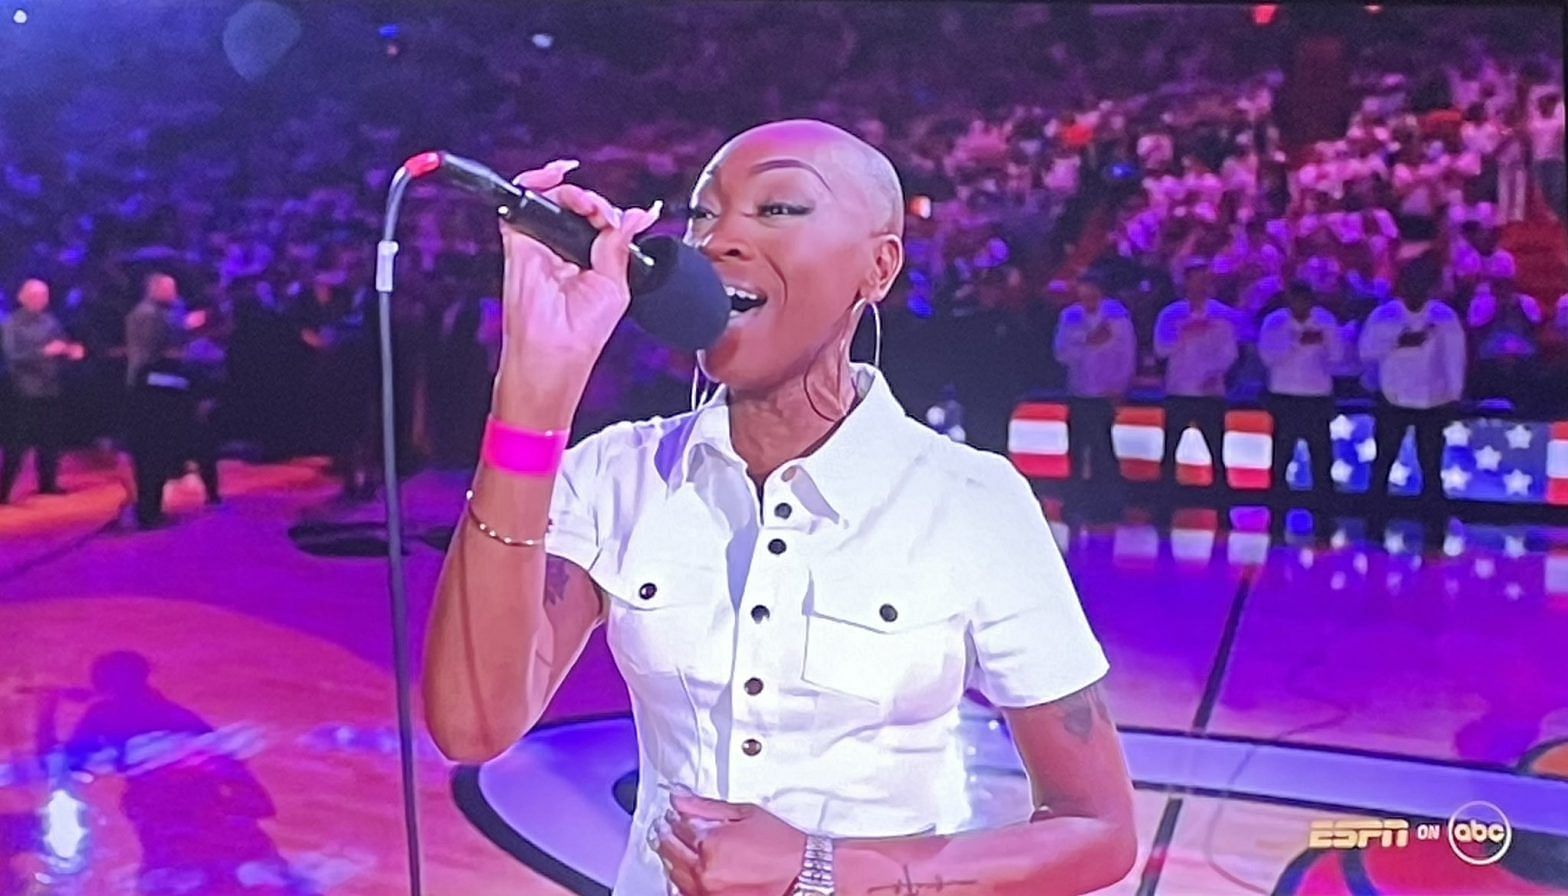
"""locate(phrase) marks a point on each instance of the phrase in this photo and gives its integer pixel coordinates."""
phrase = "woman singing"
(798, 579)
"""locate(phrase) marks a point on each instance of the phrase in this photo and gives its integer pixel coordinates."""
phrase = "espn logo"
(1358, 833)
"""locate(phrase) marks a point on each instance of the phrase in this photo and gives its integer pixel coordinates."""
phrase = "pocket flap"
(647, 579)
(900, 603)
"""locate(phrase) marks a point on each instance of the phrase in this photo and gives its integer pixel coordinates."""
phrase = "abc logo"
(1479, 833)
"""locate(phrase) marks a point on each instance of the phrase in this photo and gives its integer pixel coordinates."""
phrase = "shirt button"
(889, 613)
(751, 746)
(759, 613)
(783, 511)
(648, 590)
(776, 546)
(753, 686)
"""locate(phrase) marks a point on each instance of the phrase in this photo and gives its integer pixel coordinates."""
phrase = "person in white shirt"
(1155, 151)
(797, 580)
(1196, 337)
(1418, 345)
(1199, 183)
(1545, 127)
(1300, 345)
(1512, 175)
(1478, 256)
(1096, 343)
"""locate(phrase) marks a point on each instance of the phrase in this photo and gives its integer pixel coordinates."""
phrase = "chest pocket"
(896, 641)
(668, 600)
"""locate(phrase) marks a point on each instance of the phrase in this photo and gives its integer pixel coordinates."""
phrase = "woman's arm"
(509, 622)
(1079, 839)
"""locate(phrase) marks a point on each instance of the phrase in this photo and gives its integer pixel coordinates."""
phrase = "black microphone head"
(681, 300)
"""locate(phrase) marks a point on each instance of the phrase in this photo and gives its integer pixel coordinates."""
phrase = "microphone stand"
(386, 253)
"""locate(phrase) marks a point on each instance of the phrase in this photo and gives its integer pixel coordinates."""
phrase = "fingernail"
(656, 208)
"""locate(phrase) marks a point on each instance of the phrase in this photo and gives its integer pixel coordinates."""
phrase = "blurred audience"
(1144, 145)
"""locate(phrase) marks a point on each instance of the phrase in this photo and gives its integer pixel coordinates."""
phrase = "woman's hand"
(556, 316)
(715, 848)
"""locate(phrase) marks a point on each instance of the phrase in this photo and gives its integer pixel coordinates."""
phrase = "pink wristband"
(523, 452)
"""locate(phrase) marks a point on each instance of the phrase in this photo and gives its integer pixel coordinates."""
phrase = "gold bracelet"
(468, 505)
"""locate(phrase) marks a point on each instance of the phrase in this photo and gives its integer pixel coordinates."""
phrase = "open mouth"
(743, 300)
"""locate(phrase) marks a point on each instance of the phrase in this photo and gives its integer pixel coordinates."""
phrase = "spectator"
(1197, 338)
(163, 429)
(1300, 345)
(35, 347)
(1546, 149)
(1095, 341)
(1504, 326)
(341, 378)
(157, 327)
(1418, 346)
(1512, 174)
(1478, 256)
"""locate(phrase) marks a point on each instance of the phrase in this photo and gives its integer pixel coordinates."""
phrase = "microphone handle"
(676, 294)
(567, 233)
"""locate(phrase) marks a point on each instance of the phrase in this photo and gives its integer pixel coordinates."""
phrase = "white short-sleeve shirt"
(806, 648)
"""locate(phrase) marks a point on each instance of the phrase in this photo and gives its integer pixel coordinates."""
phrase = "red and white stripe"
(1138, 436)
(1193, 531)
(1249, 449)
(1557, 465)
(1037, 440)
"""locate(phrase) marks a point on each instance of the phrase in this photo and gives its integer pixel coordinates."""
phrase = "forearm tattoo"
(1078, 711)
(555, 580)
(908, 886)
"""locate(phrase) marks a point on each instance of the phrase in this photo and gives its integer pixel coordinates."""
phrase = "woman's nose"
(721, 241)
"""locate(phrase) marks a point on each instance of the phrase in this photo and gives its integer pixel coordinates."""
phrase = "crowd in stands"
(1024, 135)
(1433, 164)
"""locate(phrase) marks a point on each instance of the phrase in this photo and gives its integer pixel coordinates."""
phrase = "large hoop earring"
(696, 377)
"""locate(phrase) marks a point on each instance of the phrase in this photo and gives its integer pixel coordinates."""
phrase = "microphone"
(676, 294)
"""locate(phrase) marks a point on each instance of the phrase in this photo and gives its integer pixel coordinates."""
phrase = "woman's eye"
(697, 213)
(780, 208)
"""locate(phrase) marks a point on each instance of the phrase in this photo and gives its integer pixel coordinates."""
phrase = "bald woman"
(797, 580)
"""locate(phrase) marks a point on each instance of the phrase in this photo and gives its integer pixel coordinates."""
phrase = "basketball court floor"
(209, 708)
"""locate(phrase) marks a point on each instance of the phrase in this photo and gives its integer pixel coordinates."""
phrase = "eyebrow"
(772, 164)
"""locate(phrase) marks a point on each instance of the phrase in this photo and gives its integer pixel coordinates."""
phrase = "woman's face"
(794, 214)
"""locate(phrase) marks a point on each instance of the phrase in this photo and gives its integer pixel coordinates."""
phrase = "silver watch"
(816, 868)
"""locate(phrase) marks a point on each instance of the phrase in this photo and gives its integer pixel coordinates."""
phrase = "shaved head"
(34, 295)
(805, 220)
(162, 288)
(845, 161)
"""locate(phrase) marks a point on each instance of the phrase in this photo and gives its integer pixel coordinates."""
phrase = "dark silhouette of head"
(120, 673)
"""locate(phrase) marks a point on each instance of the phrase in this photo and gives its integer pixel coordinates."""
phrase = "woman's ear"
(887, 259)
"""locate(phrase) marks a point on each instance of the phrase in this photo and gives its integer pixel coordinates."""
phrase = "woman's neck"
(771, 428)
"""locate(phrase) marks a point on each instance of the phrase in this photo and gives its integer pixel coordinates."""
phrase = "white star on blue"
(1484, 459)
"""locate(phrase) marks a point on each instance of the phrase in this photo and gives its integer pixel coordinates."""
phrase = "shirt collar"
(852, 470)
